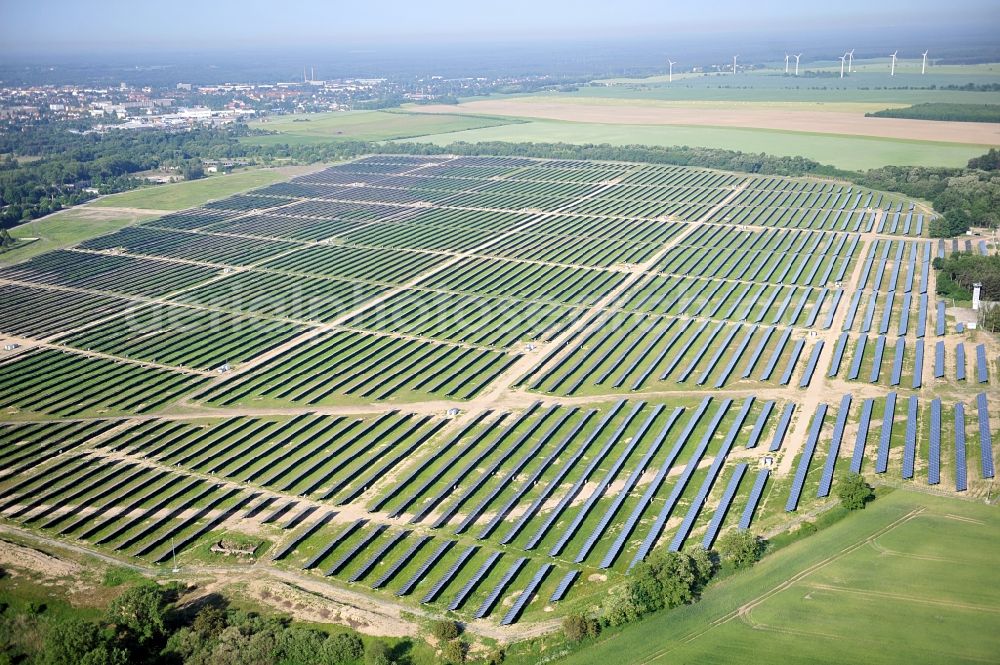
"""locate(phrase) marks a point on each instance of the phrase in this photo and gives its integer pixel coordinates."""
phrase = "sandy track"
(850, 124)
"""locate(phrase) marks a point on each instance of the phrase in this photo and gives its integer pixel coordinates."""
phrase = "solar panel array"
(364, 306)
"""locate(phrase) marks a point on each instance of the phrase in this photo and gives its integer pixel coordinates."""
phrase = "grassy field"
(363, 126)
(181, 195)
(65, 228)
(855, 592)
(110, 213)
(843, 152)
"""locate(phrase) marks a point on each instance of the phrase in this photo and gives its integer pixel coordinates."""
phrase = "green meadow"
(907, 580)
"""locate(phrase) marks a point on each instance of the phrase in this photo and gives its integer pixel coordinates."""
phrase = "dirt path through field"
(847, 124)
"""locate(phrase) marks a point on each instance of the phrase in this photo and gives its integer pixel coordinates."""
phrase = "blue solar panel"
(806, 458)
(495, 463)
(838, 294)
(982, 372)
(728, 369)
(529, 483)
(985, 437)
(939, 360)
(723, 348)
(793, 359)
(960, 361)
(882, 462)
(474, 581)
(564, 584)
(831, 457)
(329, 547)
(852, 311)
(445, 579)
(814, 312)
(910, 445)
(904, 313)
(720, 512)
(308, 531)
(857, 458)
(800, 305)
(838, 354)
(623, 494)
(554, 515)
(924, 276)
(501, 586)
(769, 368)
(654, 487)
(584, 510)
(347, 556)
(877, 359)
(859, 354)
(783, 422)
(515, 610)
(529, 456)
(883, 326)
(922, 316)
(377, 556)
(661, 355)
(811, 364)
(918, 365)
(755, 356)
(866, 323)
(940, 323)
(657, 528)
(424, 567)
(934, 448)
(897, 362)
(758, 426)
(961, 474)
(713, 473)
(755, 493)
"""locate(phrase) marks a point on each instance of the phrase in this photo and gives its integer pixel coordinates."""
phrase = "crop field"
(858, 589)
(486, 386)
(361, 126)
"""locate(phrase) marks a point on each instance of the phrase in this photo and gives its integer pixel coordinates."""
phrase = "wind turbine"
(786, 64)
(923, 67)
(843, 59)
(797, 63)
(734, 63)
(892, 70)
(670, 76)
(850, 61)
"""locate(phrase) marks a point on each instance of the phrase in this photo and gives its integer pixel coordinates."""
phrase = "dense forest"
(943, 111)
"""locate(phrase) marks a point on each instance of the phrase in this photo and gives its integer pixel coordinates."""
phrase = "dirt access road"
(822, 122)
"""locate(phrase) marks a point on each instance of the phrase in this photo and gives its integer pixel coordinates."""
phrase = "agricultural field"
(312, 128)
(487, 387)
(816, 115)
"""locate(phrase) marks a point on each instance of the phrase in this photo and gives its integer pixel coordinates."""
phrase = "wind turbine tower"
(843, 59)
(892, 69)
(670, 75)
(850, 61)
(786, 64)
(797, 63)
(923, 67)
(734, 63)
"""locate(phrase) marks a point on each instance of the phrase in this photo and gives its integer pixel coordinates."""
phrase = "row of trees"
(943, 111)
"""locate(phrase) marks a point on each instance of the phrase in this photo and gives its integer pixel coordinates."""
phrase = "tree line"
(943, 111)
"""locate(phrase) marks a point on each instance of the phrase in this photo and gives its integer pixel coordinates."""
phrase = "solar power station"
(485, 385)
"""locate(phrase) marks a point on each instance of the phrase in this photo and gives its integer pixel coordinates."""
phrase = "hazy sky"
(65, 25)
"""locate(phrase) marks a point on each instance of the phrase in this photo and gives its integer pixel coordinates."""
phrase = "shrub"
(445, 630)
(854, 492)
(741, 548)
